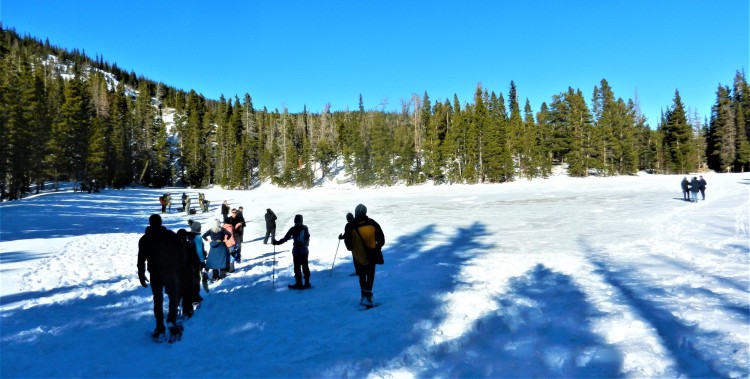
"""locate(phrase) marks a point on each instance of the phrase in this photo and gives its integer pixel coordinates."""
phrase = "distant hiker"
(224, 210)
(169, 201)
(347, 230)
(189, 274)
(694, 184)
(184, 201)
(300, 253)
(163, 202)
(218, 252)
(363, 235)
(158, 252)
(238, 224)
(187, 205)
(202, 202)
(685, 189)
(702, 187)
(195, 230)
(270, 225)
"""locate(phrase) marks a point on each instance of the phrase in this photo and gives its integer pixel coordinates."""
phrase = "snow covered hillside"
(565, 277)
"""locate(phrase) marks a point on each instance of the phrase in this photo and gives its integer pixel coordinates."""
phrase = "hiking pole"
(334, 257)
(273, 272)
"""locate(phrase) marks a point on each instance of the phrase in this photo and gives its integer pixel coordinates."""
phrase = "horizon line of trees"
(65, 119)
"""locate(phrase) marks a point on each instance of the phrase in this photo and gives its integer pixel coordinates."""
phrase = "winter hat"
(349, 217)
(360, 211)
(154, 220)
(195, 227)
(298, 219)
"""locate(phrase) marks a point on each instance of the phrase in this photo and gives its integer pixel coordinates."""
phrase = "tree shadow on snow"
(676, 335)
(542, 328)
(360, 342)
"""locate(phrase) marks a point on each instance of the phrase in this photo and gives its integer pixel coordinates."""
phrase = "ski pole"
(334, 257)
(273, 272)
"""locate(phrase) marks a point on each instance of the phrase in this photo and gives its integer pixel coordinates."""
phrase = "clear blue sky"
(296, 53)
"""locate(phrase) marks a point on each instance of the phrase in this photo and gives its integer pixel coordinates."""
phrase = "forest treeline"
(67, 117)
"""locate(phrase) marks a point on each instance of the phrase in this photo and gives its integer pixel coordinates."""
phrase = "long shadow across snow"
(358, 343)
(674, 333)
(542, 329)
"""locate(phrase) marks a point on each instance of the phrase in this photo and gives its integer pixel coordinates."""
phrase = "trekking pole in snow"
(273, 272)
(334, 257)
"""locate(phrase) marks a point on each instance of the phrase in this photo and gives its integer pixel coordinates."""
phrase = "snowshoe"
(159, 335)
(175, 333)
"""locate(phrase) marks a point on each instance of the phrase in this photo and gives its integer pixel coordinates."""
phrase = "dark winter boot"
(367, 299)
(307, 284)
(159, 334)
(295, 286)
(175, 332)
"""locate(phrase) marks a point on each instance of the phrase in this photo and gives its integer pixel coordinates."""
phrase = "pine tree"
(721, 147)
(678, 139)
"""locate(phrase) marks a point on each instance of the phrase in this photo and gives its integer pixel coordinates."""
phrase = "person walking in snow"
(158, 251)
(238, 224)
(685, 188)
(218, 252)
(270, 225)
(224, 210)
(189, 274)
(185, 198)
(163, 202)
(363, 235)
(702, 187)
(169, 202)
(300, 234)
(347, 229)
(195, 234)
(694, 184)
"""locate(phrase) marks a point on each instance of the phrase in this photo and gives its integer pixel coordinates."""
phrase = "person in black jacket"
(158, 251)
(702, 187)
(362, 234)
(347, 229)
(189, 273)
(685, 185)
(301, 236)
(238, 225)
(270, 225)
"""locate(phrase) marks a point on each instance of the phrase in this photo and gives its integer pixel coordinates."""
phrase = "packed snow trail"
(563, 277)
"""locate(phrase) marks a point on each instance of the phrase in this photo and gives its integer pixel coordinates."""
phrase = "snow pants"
(300, 255)
(169, 282)
(366, 275)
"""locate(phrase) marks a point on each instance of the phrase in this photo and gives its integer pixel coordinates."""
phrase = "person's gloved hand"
(341, 236)
(274, 242)
(142, 278)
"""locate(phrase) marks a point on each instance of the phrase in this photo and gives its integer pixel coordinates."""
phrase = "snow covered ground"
(564, 277)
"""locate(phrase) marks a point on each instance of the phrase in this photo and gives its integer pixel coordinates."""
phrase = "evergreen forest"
(65, 116)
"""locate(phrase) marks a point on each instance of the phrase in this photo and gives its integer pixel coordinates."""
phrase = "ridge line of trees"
(64, 116)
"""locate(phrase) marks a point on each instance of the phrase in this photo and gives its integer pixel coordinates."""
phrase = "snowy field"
(564, 277)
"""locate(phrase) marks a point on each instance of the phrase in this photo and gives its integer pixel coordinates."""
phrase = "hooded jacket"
(158, 251)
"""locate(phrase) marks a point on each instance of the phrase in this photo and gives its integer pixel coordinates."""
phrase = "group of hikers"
(690, 188)
(166, 203)
(177, 263)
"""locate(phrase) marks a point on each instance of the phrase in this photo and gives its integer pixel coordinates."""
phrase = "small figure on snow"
(158, 251)
(270, 225)
(685, 185)
(702, 187)
(694, 184)
(224, 210)
(364, 236)
(300, 234)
